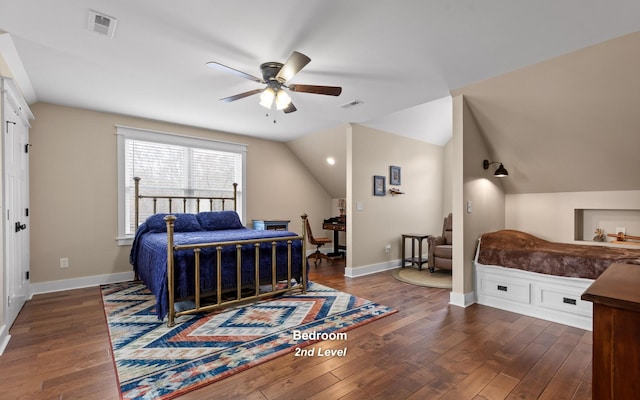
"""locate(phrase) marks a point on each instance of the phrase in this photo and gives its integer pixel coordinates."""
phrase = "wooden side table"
(413, 260)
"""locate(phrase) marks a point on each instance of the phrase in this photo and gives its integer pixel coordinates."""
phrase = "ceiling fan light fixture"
(282, 100)
(266, 98)
(275, 76)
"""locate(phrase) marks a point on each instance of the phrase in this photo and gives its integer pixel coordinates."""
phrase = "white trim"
(13, 96)
(462, 299)
(4, 338)
(179, 140)
(371, 269)
(125, 241)
(126, 132)
(78, 283)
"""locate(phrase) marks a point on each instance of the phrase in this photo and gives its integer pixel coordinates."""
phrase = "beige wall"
(73, 188)
(447, 178)
(384, 218)
(551, 215)
(314, 148)
(475, 185)
(568, 124)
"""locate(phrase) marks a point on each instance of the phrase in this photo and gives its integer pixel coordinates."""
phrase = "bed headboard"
(181, 199)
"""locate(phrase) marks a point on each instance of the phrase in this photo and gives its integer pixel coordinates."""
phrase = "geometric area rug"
(154, 361)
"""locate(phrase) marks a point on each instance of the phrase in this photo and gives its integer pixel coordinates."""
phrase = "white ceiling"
(394, 56)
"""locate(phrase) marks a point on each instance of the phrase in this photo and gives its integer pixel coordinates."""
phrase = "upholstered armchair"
(440, 247)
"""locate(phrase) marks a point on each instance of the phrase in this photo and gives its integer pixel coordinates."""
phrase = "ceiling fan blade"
(328, 90)
(289, 109)
(224, 68)
(292, 66)
(241, 95)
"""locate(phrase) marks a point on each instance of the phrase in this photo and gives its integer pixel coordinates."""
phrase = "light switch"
(359, 206)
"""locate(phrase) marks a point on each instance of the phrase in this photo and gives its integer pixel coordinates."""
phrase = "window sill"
(125, 240)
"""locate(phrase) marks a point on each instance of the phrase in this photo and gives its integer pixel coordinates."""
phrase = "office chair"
(318, 242)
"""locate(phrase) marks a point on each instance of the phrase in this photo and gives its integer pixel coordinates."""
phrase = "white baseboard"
(371, 269)
(77, 283)
(462, 299)
(4, 338)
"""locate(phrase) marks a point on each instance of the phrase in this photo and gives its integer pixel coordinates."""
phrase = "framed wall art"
(394, 175)
(378, 185)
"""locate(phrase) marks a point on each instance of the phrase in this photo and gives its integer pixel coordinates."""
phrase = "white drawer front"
(564, 300)
(513, 290)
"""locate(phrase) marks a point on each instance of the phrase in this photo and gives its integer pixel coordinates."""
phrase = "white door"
(16, 200)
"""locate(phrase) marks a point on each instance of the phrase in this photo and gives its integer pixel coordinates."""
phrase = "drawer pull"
(502, 288)
(568, 300)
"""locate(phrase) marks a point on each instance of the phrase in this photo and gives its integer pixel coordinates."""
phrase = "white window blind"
(172, 165)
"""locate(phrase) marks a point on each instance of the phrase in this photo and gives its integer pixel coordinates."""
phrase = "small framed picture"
(394, 175)
(378, 185)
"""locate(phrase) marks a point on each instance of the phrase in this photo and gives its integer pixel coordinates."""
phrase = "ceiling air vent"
(101, 23)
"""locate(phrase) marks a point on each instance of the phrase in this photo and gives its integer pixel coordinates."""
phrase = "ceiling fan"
(275, 76)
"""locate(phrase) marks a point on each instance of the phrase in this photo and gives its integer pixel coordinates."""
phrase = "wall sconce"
(501, 172)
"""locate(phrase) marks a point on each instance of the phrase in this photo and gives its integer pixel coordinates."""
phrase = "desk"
(415, 237)
(336, 227)
(616, 323)
(273, 224)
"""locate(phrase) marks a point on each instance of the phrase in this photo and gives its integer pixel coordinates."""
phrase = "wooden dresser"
(616, 332)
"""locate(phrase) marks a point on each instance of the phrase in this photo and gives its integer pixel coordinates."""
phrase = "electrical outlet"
(387, 248)
(64, 262)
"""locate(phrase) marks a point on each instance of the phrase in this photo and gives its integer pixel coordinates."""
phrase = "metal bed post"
(235, 197)
(170, 220)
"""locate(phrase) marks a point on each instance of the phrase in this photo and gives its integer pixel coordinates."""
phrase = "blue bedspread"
(149, 260)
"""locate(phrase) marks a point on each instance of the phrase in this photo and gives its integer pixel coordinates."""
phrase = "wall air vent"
(352, 103)
(101, 23)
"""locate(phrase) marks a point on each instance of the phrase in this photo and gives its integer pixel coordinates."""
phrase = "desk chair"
(318, 242)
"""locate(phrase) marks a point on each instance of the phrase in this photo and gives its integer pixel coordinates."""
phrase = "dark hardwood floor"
(428, 350)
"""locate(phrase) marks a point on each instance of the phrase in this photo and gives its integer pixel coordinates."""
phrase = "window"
(173, 165)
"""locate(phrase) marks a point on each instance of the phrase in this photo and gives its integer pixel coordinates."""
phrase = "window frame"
(125, 132)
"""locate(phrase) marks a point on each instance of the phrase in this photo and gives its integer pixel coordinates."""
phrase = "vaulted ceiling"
(567, 124)
(390, 56)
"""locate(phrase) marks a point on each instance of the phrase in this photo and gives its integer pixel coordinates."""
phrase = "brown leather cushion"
(447, 229)
(443, 263)
(443, 251)
(448, 237)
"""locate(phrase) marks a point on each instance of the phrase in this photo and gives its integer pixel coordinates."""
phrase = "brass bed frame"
(258, 290)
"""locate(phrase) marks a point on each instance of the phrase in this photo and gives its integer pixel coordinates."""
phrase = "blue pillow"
(183, 223)
(219, 220)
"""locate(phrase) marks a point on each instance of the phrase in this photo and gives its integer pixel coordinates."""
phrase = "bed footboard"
(256, 292)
